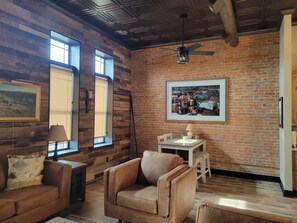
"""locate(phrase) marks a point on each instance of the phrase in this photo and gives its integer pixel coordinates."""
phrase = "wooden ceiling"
(141, 23)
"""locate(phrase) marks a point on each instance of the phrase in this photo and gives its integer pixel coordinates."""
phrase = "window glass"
(99, 65)
(59, 51)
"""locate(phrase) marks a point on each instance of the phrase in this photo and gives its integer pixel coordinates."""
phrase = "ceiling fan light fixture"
(182, 55)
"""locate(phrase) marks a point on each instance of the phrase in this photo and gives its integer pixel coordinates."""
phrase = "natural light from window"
(59, 51)
(99, 65)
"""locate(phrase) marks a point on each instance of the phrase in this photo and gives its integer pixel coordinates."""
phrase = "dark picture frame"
(280, 112)
(197, 100)
(19, 101)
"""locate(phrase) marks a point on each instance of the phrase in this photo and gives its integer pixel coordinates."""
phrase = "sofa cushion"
(28, 198)
(155, 164)
(24, 171)
(7, 209)
(139, 197)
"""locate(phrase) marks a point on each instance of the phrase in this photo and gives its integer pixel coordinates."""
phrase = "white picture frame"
(198, 100)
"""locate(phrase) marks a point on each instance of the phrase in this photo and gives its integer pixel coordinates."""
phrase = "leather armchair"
(157, 188)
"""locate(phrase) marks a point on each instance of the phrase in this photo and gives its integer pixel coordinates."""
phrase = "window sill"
(102, 145)
(63, 153)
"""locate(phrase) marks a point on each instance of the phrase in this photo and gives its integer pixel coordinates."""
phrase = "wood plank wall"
(24, 51)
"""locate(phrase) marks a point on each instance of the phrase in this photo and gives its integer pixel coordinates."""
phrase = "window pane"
(100, 107)
(99, 65)
(59, 51)
(99, 140)
(61, 146)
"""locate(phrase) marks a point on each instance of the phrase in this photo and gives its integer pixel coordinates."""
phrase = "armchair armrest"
(119, 177)
(164, 184)
(58, 174)
(182, 194)
(209, 212)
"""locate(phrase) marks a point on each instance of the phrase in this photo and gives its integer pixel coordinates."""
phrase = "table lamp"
(190, 129)
(57, 134)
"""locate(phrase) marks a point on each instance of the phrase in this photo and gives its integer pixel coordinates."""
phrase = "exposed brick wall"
(24, 51)
(248, 142)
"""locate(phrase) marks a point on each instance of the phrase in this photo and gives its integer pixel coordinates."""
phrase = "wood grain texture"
(24, 51)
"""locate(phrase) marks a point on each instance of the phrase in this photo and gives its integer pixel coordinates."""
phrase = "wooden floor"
(236, 192)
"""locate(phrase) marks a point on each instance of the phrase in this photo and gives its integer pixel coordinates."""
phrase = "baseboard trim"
(245, 175)
(287, 193)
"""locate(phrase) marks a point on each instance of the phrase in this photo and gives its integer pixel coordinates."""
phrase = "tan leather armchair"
(157, 188)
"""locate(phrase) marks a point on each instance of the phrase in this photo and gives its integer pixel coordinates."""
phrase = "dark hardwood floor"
(231, 191)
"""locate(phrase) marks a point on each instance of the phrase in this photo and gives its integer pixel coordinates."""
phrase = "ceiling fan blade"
(167, 55)
(207, 53)
(167, 49)
(194, 46)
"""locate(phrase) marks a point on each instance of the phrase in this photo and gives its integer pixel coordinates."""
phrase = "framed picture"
(280, 112)
(200, 100)
(19, 101)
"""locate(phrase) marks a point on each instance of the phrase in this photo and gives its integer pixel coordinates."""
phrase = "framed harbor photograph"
(198, 100)
(19, 101)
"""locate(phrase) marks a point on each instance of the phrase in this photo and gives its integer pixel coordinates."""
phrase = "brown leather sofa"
(34, 203)
(214, 213)
(156, 188)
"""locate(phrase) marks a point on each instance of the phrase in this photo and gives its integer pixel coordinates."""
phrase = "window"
(103, 99)
(59, 51)
(99, 65)
(61, 101)
(100, 109)
(64, 90)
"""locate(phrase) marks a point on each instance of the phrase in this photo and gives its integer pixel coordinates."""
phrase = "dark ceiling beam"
(224, 7)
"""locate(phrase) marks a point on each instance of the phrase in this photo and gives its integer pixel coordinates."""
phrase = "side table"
(78, 180)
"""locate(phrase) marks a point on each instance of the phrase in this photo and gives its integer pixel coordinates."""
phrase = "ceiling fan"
(183, 52)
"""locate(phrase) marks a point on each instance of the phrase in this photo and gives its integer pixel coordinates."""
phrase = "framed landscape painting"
(200, 100)
(19, 102)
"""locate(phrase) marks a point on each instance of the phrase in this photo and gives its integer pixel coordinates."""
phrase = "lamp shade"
(57, 133)
(190, 127)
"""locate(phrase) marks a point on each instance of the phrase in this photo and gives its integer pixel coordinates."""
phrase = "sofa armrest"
(182, 194)
(119, 177)
(210, 213)
(163, 185)
(58, 174)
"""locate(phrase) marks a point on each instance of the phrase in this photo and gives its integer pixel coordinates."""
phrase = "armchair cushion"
(154, 165)
(139, 197)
